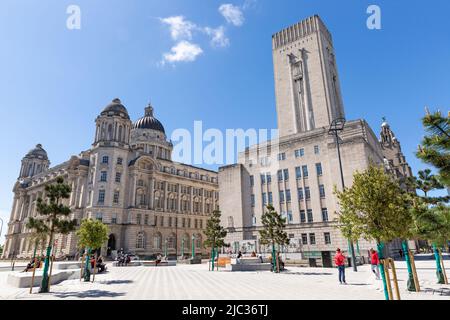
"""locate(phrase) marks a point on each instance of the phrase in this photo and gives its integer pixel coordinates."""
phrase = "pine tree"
(273, 233)
(92, 234)
(215, 234)
(375, 208)
(435, 147)
(54, 216)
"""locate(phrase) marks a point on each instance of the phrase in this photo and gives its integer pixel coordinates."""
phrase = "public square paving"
(191, 282)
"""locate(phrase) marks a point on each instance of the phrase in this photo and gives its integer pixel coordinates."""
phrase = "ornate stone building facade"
(299, 179)
(127, 180)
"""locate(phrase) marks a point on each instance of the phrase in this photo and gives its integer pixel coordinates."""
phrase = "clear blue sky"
(55, 81)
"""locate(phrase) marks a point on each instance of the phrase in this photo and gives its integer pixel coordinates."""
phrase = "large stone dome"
(149, 121)
(116, 108)
(38, 152)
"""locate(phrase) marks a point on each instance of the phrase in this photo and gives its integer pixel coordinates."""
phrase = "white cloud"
(183, 51)
(218, 37)
(233, 14)
(180, 28)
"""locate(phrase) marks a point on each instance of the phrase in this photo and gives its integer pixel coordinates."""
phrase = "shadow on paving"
(310, 273)
(440, 291)
(89, 294)
(116, 282)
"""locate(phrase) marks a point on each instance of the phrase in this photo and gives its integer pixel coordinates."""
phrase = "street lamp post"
(165, 248)
(337, 126)
(182, 248)
(176, 238)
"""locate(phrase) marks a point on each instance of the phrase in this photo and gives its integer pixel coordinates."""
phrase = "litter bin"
(312, 263)
(349, 261)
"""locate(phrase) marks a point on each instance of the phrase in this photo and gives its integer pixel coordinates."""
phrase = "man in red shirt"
(374, 262)
(339, 260)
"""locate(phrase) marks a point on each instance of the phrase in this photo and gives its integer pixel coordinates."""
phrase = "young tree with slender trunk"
(273, 233)
(39, 233)
(92, 234)
(215, 235)
(375, 208)
(54, 216)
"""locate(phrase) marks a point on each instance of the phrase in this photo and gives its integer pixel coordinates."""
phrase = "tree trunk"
(439, 274)
(45, 284)
(380, 247)
(87, 267)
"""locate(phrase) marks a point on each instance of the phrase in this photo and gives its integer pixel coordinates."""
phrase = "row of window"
(304, 216)
(312, 238)
(170, 242)
(283, 175)
(297, 153)
(105, 160)
(285, 196)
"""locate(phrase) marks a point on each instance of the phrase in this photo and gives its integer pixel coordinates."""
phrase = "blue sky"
(55, 81)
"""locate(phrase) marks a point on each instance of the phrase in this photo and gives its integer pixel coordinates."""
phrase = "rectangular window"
(305, 171)
(138, 218)
(304, 238)
(103, 176)
(312, 238)
(118, 177)
(298, 172)
(201, 224)
(119, 161)
(170, 221)
(310, 215)
(99, 216)
(116, 197)
(316, 150)
(302, 216)
(324, 214)
(319, 169)
(322, 191)
(252, 181)
(300, 193)
(253, 220)
(263, 179)
(161, 221)
(183, 223)
(289, 216)
(280, 175)
(101, 196)
(253, 200)
(281, 196)
(114, 219)
(264, 199)
(281, 156)
(269, 178)
(189, 222)
(299, 153)
(307, 193)
(286, 174)
(270, 198)
(288, 195)
(146, 219)
(105, 159)
(327, 237)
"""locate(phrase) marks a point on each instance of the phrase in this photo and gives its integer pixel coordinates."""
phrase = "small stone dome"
(38, 152)
(116, 108)
(149, 121)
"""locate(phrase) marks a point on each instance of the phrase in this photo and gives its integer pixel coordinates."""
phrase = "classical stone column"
(152, 193)
(133, 190)
(178, 198)
(14, 208)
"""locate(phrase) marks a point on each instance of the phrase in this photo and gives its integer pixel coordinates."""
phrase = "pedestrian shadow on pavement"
(107, 282)
(89, 294)
(440, 291)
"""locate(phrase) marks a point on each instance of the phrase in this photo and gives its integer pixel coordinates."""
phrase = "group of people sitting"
(101, 267)
(123, 259)
(260, 256)
(31, 264)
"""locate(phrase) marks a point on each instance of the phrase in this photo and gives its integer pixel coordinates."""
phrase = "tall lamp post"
(193, 246)
(337, 125)
(176, 238)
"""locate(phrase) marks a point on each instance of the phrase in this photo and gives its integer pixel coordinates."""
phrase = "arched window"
(171, 241)
(140, 240)
(198, 241)
(157, 241)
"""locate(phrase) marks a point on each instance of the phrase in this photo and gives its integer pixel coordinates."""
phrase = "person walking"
(374, 262)
(339, 260)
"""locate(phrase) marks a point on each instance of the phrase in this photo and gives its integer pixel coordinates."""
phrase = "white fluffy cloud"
(183, 51)
(218, 37)
(233, 14)
(180, 28)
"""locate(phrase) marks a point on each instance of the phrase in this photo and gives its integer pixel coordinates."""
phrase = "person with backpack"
(339, 260)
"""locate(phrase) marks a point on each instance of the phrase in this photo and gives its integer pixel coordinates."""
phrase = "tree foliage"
(273, 228)
(215, 233)
(92, 234)
(435, 146)
(374, 207)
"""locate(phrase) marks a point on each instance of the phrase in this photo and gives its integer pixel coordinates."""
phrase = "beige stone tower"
(307, 89)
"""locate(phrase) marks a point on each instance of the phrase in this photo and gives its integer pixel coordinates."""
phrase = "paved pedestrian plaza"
(191, 282)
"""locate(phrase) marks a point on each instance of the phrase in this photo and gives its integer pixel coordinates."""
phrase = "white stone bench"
(23, 279)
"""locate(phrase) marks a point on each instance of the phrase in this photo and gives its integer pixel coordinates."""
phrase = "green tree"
(54, 215)
(273, 233)
(1, 249)
(215, 234)
(92, 234)
(435, 146)
(374, 208)
(39, 234)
